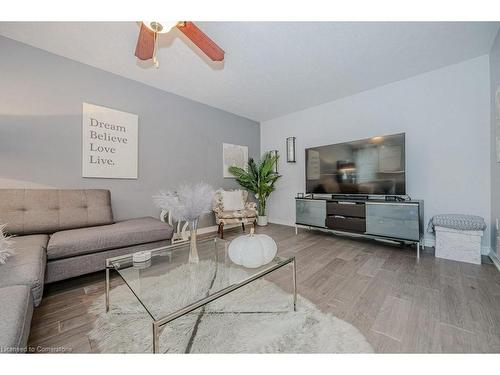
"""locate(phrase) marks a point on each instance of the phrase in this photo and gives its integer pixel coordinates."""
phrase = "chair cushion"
(69, 243)
(27, 265)
(237, 214)
(232, 200)
(16, 311)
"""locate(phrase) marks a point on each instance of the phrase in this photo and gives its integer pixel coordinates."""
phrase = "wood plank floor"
(399, 304)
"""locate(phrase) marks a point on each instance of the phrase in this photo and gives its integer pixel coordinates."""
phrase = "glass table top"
(169, 282)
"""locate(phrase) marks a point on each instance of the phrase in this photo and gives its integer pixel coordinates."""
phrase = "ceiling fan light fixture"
(147, 42)
(160, 27)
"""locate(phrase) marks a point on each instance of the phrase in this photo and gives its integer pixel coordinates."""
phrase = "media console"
(400, 221)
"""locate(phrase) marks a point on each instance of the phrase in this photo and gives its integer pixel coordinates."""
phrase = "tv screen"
(372, 166)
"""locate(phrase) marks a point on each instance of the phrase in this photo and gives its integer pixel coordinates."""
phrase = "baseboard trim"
(429, 242)
(486, 250)
(206, 230)
(215, 228)
(281, 222)
(494, 258)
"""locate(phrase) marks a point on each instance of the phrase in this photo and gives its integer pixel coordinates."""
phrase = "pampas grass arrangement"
(188, 203)
(5, 246)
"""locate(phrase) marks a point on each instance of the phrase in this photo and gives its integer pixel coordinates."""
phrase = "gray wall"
(41, 95)
(495, 167)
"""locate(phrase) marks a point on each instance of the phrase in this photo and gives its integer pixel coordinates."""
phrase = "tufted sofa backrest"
(30, 211)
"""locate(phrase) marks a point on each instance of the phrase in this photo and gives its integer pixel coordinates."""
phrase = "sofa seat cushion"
(27, 265)
(70, 243)
(16, 311)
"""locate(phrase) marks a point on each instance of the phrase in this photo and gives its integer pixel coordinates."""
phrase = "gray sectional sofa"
(59, 234)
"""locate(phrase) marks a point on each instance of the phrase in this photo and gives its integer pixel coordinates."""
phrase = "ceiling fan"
(147, 42)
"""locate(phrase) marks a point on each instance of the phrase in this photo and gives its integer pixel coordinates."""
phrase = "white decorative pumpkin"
(253, 250)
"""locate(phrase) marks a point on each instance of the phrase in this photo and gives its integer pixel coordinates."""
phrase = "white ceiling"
(270, 68)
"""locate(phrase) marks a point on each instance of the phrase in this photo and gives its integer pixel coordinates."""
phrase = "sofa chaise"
(59, 234)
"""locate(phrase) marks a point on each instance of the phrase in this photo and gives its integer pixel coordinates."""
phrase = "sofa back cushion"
(31, 211)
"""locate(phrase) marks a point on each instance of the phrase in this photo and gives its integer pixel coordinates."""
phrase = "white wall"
(446, 117)
(495, 166)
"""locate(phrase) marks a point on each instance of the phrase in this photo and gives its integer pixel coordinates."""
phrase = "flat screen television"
(372, 166)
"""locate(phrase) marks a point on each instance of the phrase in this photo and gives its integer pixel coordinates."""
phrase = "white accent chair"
(223, 216)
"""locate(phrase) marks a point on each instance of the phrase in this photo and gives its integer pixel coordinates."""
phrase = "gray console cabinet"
(397, 220)
(310, 212)
(379, 219)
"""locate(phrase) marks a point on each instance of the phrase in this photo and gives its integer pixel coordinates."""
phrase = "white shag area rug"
(257, 318)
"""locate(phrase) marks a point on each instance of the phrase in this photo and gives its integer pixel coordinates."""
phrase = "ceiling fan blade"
(202, 41)
(145, 44)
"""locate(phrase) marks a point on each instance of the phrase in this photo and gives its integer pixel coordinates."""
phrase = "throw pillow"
(232, 200)
(5, 250)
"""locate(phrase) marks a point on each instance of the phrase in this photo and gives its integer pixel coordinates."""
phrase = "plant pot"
(262, 221)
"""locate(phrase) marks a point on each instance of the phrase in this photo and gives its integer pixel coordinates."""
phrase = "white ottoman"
(460, 245)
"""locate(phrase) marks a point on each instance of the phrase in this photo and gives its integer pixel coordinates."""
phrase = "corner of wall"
(260, 137)
(494, 71)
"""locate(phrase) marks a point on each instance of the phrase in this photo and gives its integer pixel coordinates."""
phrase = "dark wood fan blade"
(202, 41)
(145, 43)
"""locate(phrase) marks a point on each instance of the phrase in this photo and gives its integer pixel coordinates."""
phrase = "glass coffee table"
(213, 277)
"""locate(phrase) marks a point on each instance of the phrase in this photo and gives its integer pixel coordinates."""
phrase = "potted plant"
(260, 180)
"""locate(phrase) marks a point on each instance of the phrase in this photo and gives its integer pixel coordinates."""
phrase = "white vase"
(193, 248)
(261, 221)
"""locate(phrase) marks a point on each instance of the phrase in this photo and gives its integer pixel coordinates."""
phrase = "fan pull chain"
(156, 63)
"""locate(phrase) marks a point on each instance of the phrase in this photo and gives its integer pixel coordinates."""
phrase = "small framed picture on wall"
(233, 155)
